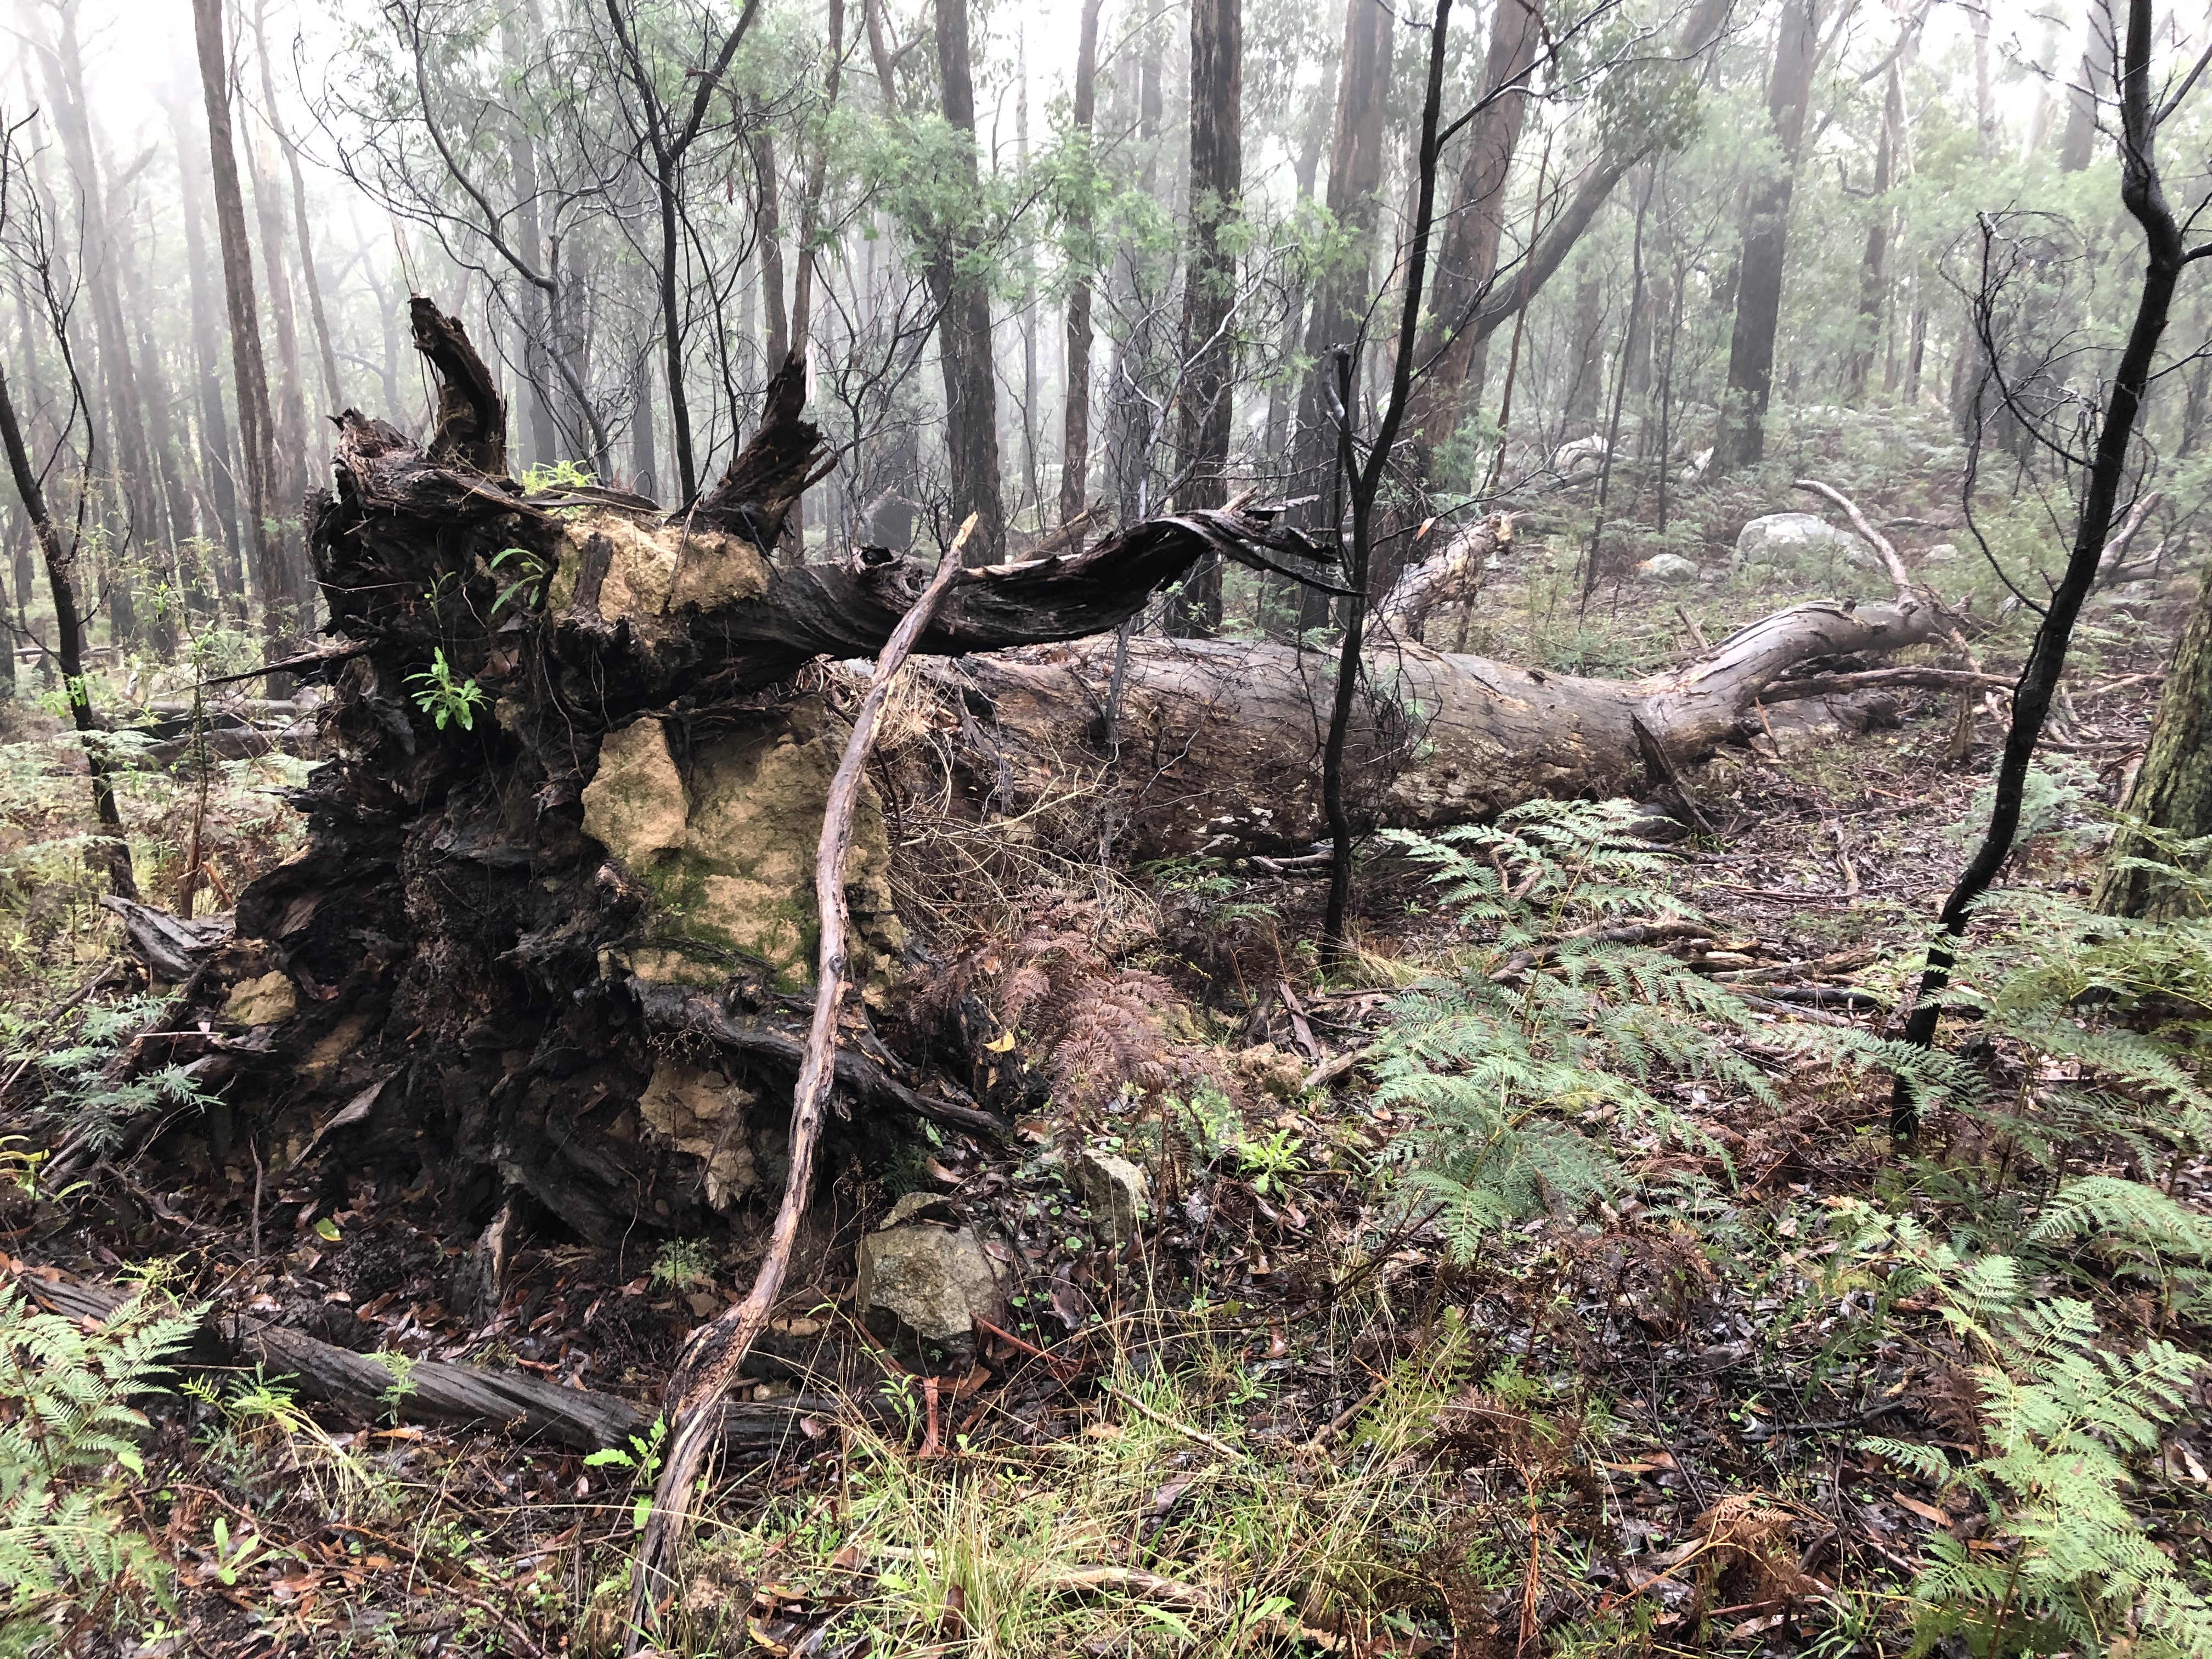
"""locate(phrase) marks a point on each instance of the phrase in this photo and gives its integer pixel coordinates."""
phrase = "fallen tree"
(555, 915)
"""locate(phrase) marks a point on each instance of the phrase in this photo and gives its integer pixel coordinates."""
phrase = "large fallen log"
(1220, 740)
(551, 934)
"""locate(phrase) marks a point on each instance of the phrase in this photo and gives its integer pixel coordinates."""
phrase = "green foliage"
(1562, 1022)
(522, 571)
(79, 1059)
(1268, 1161)
(642, 1459)
(2117, 1011)
(68, 1455)
(443, 697)
(681, 1263)
(2062, 1415)
(550, 476)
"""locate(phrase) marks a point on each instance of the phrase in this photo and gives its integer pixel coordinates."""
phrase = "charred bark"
(552, 917)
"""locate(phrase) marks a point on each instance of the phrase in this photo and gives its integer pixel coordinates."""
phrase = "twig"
(714, 1352)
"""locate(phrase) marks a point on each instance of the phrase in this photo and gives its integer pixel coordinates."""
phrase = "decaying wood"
(714, 1352)
(1220, 740)
(437, 1391)
(1452, 574)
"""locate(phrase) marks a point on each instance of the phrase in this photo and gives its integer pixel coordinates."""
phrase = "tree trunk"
(1207, 397)
(1075, 425)
(268, 565)
(768, 218)
(325, 358)
(289, 482)
(1467, 256)
(2172, 791)
(544, 443)
(1742, 441)
(69, 644)
(215, 460)
(1585, 359)
(2077, 145)
(140, 526)
(1873, 282)
(963, 330)
(1355, 175)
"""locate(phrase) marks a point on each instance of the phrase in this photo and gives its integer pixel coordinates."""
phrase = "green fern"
(1551, 1027)
(68, 1441)
(2063, 1414)
(76, 1061)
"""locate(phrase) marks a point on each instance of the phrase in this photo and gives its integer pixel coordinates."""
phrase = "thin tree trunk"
(1355, 175)
(1362, 485)
(1075, 424)
(2172, 791)
(544, 442)
(141, 524)
(1765, 245)
(1208, 395)
(641, 426)
(1873, 283)
(768, 218)
(69, 645)
(2077, 146)
(326, 358)
(809, 222)
(215, 460)
(289, 482)
(1466, 254)
(271, 569)
(2144, 196)
(963, 331)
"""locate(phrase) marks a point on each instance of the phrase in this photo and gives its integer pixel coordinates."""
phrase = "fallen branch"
(436, 1390)
(714, 1353)
(1876, 679)
(1900, 578)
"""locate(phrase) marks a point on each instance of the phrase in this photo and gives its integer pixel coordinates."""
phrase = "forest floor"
(1296, 1412)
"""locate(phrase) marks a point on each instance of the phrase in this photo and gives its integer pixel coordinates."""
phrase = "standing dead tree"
(2167, 254)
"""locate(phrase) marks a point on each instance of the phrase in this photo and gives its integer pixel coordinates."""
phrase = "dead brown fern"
(1091, 1025)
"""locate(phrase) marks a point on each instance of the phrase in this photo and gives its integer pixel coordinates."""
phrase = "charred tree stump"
(553, 923)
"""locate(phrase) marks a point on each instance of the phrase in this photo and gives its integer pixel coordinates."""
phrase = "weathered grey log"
(1219, 740)
(437, 1391)
(171, 948)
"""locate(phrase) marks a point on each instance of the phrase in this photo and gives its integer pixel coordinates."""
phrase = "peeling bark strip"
(714, 1353)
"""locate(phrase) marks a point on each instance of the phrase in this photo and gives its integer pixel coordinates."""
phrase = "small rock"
(1941, 554)
(1580, 456)
(1117, 1193)
(1667, 568)
(922, 1286)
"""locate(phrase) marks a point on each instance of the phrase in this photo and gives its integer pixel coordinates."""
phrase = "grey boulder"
(923, 1286)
